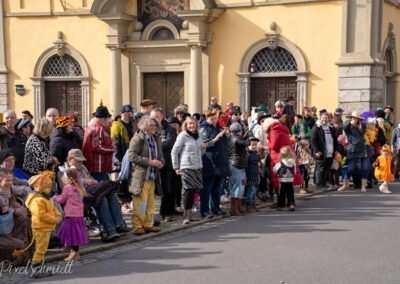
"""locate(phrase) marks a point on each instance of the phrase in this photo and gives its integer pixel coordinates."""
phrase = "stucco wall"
(26, 38)
(315, 28)
(391, 14)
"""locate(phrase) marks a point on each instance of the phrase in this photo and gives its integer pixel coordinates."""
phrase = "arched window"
(273, 60)
(62, 66)
(162, 34)
(389, 61)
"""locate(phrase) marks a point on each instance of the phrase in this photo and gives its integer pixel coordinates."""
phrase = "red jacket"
(278, 136)
(98, 148)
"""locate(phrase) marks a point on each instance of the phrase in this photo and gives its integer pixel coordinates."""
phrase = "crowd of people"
(54, 171)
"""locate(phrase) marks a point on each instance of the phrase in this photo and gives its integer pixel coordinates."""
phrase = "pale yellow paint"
(28, 37)
(23, 6)
(315, 28)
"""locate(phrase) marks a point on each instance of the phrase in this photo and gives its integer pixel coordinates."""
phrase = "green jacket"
(301, 128)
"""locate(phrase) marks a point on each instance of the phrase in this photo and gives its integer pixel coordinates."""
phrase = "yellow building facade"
(72, 54)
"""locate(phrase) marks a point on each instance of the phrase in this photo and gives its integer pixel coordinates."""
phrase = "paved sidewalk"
(97, 245)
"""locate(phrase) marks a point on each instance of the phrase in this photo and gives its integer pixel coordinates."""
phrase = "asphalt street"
(331, 238)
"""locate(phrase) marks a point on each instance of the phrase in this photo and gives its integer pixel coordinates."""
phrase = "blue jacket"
(253, 170)
(215, 159)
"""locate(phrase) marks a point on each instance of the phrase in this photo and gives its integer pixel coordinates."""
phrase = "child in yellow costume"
(383, 171)
(44, 216)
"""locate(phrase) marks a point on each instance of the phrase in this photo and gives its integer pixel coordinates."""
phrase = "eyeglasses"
(235, 113)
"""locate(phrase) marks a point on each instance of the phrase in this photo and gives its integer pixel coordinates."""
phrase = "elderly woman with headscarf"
(146, 156)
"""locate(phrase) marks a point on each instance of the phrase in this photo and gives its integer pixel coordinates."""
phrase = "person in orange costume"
(383, 169)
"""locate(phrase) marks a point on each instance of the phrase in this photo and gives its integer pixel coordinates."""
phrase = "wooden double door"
(167, 88)
(268, 90)
(66, 96)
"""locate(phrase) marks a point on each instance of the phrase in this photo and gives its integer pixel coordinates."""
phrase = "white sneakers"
(384, 189)
(224, 199)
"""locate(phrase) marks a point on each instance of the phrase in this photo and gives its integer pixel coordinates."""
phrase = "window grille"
(64, 66)
(273, 60)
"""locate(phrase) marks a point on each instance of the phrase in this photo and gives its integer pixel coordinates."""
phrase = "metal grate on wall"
(62, 66)
(273, 60)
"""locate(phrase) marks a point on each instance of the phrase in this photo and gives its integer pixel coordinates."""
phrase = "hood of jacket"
(60, 133)
(279, 127)
(30, 198)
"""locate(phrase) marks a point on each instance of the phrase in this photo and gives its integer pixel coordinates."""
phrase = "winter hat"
(63, 121)
(380, 113)
(268, 123)
(4, 154)
(386, 148)
(235, 127)
(42, 182)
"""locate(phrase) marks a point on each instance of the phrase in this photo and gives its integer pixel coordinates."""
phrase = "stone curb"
(124, 241)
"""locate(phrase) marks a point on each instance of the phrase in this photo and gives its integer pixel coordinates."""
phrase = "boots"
(364, 185)
(186, 217)
(73, 256)
(384, 189)
(345, 185)
(234, 207)
(242, 206)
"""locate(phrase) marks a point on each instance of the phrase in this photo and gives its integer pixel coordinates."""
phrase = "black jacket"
(167, 137)
(238, 156)
(317, 140)
(355, 136)
(61, 143)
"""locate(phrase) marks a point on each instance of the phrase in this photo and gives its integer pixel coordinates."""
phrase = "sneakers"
(303, 191)
(207, 216)
(291, 208)
(123, 229)
(179, 210)
(224, 199)
(112, 235)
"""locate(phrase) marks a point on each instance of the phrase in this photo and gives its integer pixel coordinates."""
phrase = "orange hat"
(42, 181)
(73, 117)
(63, 121)
(386, 148)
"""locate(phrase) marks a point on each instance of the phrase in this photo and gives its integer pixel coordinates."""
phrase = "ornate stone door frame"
(38, 79)
(272, 40)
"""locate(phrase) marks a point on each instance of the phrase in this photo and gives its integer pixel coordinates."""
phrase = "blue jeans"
(211, 187)
(110, 212)
(99, 176)
(250, 193)
(364, 167)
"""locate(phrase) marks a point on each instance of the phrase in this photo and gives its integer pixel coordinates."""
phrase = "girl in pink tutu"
(72, 232)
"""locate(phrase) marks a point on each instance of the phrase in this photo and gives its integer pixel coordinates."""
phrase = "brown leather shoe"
(234, 207)
(152, 229)
(139, 231)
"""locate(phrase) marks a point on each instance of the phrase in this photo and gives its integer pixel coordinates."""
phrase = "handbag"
(335, 165)
(7, 222)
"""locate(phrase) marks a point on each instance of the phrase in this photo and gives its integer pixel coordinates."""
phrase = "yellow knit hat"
(42, 181)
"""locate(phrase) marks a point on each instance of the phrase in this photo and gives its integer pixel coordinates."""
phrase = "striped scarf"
(153, 155)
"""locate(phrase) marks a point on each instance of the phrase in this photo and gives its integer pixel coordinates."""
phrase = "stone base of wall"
(361, 87)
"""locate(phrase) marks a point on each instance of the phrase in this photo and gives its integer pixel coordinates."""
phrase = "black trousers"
(305, 175)
(322, 168)
(178, 189)
(286, 192)
(167, 207)
(188, 198)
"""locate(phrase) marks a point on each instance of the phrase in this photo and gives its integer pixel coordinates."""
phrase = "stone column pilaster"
(115, 80)
(195, 80)
(244, 91)
(3, 67)
(301, 91)
(38, 90)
